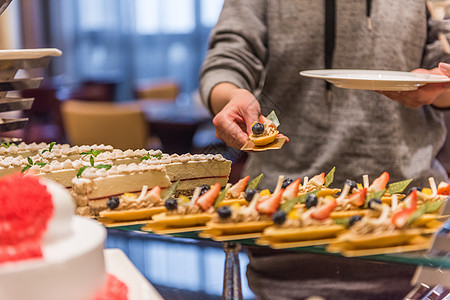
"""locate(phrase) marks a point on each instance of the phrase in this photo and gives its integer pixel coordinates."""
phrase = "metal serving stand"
(11, 61)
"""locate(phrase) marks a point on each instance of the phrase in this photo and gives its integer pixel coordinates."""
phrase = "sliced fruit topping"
(279, 217)
(224, 212)
(236, 190)
(286, 182)
(411, 200)
(171, 204)
(400, 218)
(292, 190)
(311, 200)
(207, 200)
(380, 183)
(322, 212)
(154, 194)
(443, 188)
(270, 204)
(113, 202)
(257, 128)
(358, 198)
(318, 180)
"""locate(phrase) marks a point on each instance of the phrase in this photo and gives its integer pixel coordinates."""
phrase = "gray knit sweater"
(263, 45)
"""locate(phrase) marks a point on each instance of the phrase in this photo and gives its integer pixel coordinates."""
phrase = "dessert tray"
(377, 80)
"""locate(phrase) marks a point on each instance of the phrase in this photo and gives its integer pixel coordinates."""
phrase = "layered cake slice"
(93, 187)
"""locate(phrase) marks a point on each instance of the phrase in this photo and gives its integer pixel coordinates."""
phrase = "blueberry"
(353, 220)
(415, 188)
(171, 204)
(351, 184)
(249, 193)
(279, 217)
(224, 212)
(258, 128)
(113, 202)
(310, 201)
(204, 188)
(286, 182)
(372, 201)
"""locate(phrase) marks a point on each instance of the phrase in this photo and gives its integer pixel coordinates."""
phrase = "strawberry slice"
(318, 180)
(270, 204)
(411, 200)
(322, 212)
(207, 200)
(155, 193)
(291, 190)
(380, 183)
(443, 188)
(358, 198)
(236, 190)
(400, 218)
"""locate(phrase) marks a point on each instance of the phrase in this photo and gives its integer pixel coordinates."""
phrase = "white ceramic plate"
(375, 80)
(118, 264)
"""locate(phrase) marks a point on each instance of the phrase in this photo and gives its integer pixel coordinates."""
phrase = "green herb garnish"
(398, 187)
(289, 204)
(255, 182)
(31, 163)
(416, 214)
(49, 148)
(221, 196)
(273, 117)
(92, 152)
(148, 156)
(172, 189)
(5, 145)
(329, 177)
(81, 170)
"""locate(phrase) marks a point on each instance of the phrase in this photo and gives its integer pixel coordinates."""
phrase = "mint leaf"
(221, 197)
(289, 204)
(255, 182)
(26, 168)
(330, 177)
(81, 170)
(273, 117)
(30, 161)
(51, 146)
(398, 187)
(40, 164)
(416, 214)
(107, 167)
(5, 145)
(172, 189)
(91, 160)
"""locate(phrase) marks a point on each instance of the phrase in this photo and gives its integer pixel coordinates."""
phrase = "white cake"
(72, 265)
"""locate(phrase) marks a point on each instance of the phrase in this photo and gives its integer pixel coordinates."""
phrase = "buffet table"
(433, 265)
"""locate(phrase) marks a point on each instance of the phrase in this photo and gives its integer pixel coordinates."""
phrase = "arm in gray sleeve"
(237, 49)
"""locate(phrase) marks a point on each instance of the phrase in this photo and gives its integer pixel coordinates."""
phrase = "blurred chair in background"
(91, 122)
(95, 91)
(163, 90)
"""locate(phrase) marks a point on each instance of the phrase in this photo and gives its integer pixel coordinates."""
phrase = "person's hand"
(233, 123)
(431, 93)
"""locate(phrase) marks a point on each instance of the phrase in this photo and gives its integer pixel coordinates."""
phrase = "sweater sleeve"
(237, 48)
(434, 52)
